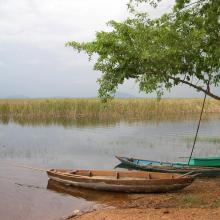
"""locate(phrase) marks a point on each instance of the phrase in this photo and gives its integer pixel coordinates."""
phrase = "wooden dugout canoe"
(166, 167)
(121, 181)
(194, 162)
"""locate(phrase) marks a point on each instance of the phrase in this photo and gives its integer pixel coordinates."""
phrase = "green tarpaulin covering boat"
(205, 161)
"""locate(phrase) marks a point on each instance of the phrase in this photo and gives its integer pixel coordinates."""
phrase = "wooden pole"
(200, 118)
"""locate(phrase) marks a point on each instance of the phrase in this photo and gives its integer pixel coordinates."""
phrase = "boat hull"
(131, 186)
(166, 167)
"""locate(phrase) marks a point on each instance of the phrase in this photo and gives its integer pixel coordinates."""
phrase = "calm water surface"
(26, 194)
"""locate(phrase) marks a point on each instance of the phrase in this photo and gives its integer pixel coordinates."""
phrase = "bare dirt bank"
(153, 214)
(201, 200)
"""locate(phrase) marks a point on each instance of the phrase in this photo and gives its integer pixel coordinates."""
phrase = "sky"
(34, 61)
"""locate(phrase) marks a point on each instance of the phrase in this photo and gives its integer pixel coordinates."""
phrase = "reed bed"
(93, 109)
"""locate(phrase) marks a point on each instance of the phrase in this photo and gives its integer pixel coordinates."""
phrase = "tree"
(182, 47)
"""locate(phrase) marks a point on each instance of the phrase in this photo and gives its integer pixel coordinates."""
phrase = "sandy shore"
(152, 214)
(201, 200)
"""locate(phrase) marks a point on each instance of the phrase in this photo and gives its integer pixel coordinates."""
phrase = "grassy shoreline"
(117, 109)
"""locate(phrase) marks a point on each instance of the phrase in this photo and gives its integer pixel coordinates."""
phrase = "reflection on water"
(86, 146)
(96, 146)
(100, 197)
(82, 122)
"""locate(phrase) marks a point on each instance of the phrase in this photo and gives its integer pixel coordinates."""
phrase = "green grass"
(93, 109)
(192, 201)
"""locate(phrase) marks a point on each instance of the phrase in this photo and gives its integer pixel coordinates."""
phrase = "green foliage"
(180, 47)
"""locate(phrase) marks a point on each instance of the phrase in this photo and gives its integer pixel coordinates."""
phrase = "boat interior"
(116, 174)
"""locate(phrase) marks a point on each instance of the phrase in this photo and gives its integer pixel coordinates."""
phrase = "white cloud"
(54, 20)
(34, 61)
(43, 21)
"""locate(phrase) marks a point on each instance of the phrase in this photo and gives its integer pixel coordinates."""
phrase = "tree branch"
(196, 87)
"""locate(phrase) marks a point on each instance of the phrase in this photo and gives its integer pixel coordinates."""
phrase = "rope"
(203, 104)
(31, 168)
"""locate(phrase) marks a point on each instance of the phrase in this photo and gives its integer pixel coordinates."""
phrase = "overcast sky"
(33, 59)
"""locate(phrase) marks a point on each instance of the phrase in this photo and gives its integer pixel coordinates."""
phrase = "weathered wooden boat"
(142, 162)
(121, 181)
(166, 167)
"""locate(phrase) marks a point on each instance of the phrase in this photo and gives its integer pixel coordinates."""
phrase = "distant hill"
(120, 95)
(123, 95)
(17, 97)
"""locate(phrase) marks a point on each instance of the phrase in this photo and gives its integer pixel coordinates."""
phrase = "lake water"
(25, 194)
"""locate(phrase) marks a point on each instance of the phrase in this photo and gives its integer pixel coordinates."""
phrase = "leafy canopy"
(182, 47)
